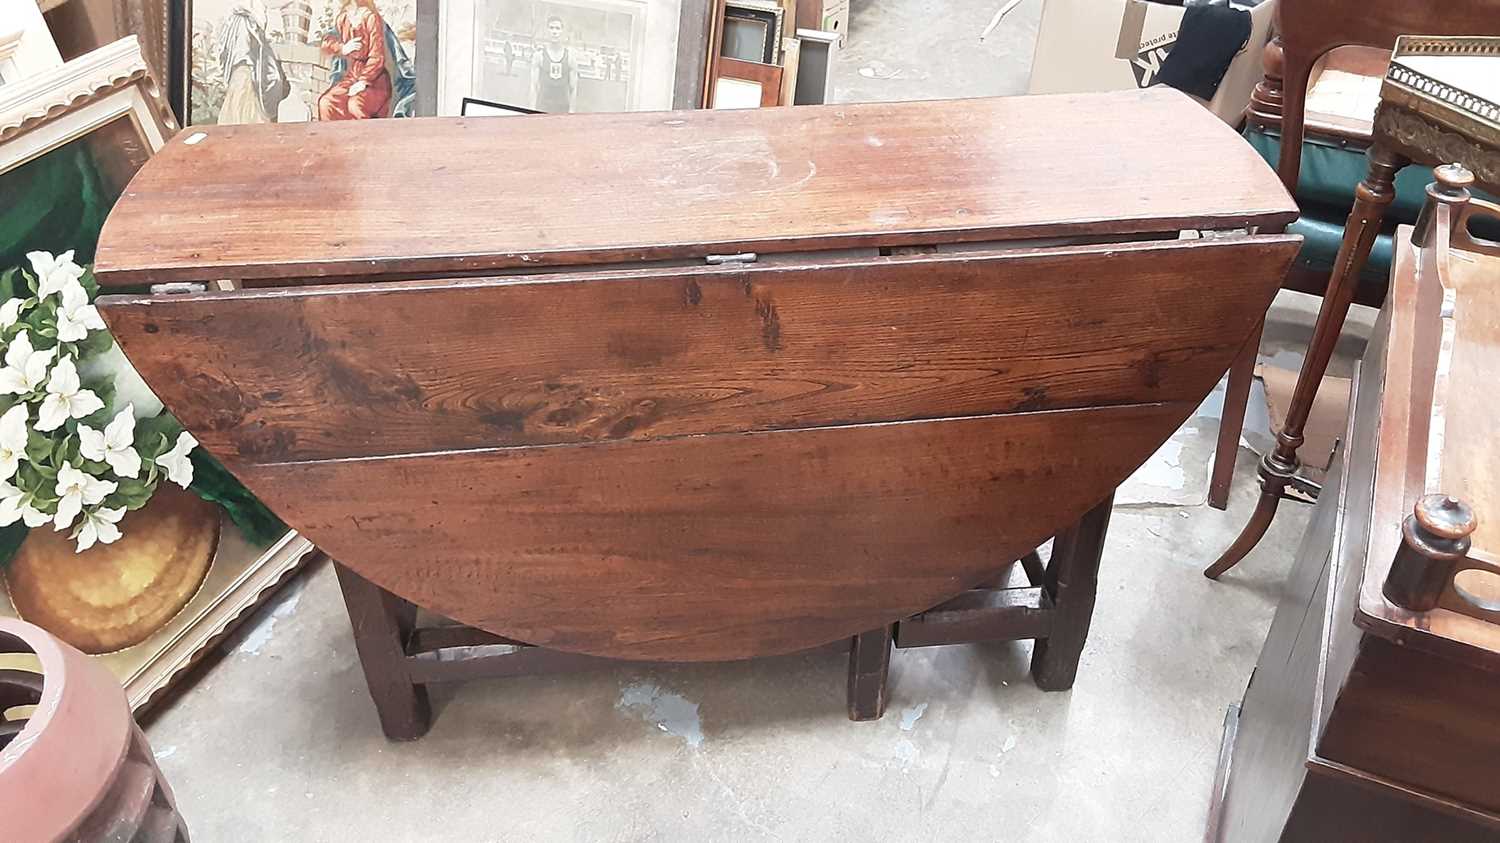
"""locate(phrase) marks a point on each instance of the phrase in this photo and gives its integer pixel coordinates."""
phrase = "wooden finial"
(1451, 187)
(1433, 539)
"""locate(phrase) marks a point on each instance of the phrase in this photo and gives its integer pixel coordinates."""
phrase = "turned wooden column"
(1433, 540)
(1371, 198)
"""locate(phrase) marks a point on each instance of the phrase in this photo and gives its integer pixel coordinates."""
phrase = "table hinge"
(176, 288)
(742, 257)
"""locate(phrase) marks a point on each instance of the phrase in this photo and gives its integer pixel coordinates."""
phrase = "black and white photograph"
(560, 56)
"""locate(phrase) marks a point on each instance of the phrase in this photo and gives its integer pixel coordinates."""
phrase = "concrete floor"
(278, 739)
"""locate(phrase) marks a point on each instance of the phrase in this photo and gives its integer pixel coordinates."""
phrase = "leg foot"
(1071, 581)
(1371, 198)
(382, 621)
(869, 665)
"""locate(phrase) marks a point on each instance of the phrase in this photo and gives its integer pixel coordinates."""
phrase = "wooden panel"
(1429, 723)
(1272, 742)
(1415, 301)
(320, 373)
(449, 195)
(714, 547)
(1470, 459)
(767, 76)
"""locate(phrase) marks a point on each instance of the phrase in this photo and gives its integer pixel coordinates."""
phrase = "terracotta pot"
(113, 596)
(79, 768)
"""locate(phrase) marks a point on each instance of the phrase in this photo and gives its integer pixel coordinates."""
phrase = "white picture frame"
(26, 45)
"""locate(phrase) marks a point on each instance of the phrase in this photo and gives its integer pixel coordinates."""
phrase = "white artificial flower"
(12, 440)
(65, 398)
(98, 526)
(112, 445)
(25, 368)
(76, 490)
(75, 316)
(10, 312)
(53, 273)
(110, 366)
(16, 505)
(176, 463)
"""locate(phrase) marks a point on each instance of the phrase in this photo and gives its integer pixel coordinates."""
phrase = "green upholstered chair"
(1315, 37)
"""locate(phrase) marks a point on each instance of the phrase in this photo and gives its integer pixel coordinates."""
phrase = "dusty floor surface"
(278, 740)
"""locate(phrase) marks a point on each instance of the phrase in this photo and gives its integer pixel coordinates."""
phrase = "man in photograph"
(554, 74)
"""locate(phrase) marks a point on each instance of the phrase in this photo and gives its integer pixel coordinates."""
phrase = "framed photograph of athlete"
(563, 56)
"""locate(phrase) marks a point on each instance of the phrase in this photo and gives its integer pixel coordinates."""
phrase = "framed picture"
(26, 45)
(287, 61)
(186, 570)
(752, 32)
(481, 108)
(80, 26)
(745, 84)
(561, 56)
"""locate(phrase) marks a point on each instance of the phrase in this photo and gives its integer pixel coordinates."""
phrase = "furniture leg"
(382, 621)
(1071, 581)
(1371, 198)
(869, 665)
(1232, 419)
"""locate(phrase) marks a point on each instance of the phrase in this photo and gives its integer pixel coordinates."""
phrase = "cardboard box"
(1111, 45)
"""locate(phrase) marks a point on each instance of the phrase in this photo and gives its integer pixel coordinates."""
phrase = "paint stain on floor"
(672, 713)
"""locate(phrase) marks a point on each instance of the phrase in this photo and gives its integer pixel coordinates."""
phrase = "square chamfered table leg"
(869, 668)
(1070, 582)
(1055, 610)
(382, 624)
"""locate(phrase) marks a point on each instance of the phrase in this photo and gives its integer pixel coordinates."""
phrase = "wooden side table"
(1371, 712)
(1439, 103)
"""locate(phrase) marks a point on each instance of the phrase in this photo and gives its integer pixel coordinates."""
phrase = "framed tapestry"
(153, 572)
(571, 55)
(285, 61)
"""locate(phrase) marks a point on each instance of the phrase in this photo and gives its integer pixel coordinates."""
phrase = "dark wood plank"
(296, 200)
(869, 670)
(368, 371)
(1071, 581)
(714, 547)
(986, 614)
(381, 622)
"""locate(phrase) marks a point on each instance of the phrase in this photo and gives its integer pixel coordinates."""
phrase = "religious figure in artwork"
(371, 74)
(255, 83)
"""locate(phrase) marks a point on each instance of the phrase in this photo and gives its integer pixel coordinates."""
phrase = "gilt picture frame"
(105, 109)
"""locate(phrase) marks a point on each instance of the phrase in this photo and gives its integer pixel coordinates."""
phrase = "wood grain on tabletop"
(302, 201)
(714, 547)
(322, 373)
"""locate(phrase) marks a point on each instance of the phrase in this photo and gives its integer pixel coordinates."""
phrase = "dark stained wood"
(381, 622)
(1070, 584)
(478, 195)
(1309, 28)
(1279, 465)
(1364, 726)
(366, 371)
(767, 76)
(1411, 717)
(869, 666)
(981, 614)
(1232, 418)
(705, 548)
